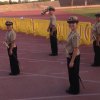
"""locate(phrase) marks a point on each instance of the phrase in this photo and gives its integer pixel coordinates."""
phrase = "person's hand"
(97, 43)
(5, 43)
(10, 52)
(71, 64)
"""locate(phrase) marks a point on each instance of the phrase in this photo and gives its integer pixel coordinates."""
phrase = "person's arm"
(98, 35)
(93, 35)
(75, 43)
(52, 25)
(98, 40)
(11, 47)
(93, 32)
(54, 28)
(48, 29)
(73, 56)
(13, 38)
(12, 44)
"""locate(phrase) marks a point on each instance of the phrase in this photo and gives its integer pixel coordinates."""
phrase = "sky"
(15, 0)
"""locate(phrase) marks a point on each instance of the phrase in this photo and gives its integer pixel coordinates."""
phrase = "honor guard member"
(96, 42)
(53, 32)
(73, 56)
(12, 48)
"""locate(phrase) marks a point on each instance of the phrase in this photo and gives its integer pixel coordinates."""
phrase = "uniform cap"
(50, 8)
(8, 23)
(73, 19)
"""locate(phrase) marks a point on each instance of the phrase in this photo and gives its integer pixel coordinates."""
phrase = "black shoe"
(67, 91)
(14, 74)
(10, 73)
(50, 54)
(53, 54)
(95, 65)
(72, 92)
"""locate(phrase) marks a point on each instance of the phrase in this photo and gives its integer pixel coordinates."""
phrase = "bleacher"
(41, 5)
(17, 7)
(28, 6)
(78, 2)
(47, 3)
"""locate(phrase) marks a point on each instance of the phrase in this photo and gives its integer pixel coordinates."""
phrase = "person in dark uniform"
(53, 32)
(73, 56)
(12, 48)
(96, 42)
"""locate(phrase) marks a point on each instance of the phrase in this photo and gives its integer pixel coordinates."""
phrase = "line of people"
(72, 47)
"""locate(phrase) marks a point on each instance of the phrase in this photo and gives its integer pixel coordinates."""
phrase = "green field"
(89, 12)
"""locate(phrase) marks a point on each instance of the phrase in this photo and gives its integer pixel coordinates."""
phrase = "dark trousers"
(74, 75)
(14, 65)
(53, 42)
(96, 54)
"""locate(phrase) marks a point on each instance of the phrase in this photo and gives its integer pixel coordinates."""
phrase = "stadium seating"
(78, 2)
(39, 5)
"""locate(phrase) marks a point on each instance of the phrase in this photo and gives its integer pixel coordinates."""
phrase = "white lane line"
(60, 97)
(26, 73)
(56, 61)
(60, 51)
(34, 60)
(31, 75)
(20, 73)
(29, 43)
(48, 76)
(59, 73)
(43, 75)
(43, 53)
(39, 60)
(49, 61)
(84, 71)
(38, 42)
(4, 71)
(50, 73)
(66, 72)
(52, 76)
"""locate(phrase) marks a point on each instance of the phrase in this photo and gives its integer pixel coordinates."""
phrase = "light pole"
(85, 2)
(10, 1)
(26, 1)
(72, 2)
(19, 1)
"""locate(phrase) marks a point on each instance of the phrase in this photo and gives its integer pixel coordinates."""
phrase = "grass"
(89, 12)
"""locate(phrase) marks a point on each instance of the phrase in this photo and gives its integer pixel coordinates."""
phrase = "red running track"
(35, 14)
(44, 77)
